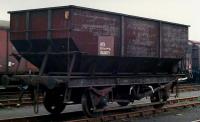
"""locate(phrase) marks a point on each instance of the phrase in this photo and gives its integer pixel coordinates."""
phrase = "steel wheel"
(87, 106)
(159, 96)
(53, 102)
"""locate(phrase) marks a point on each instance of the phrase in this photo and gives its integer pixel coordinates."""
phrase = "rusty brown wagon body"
(8, 64)
(97, 54)
(107, 42)
(195, 60)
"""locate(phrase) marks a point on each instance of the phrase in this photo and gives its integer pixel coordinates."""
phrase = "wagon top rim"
(96, 10)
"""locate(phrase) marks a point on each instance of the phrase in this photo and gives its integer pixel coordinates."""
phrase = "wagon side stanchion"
(36, 88)
(70, 62)
(71, 65)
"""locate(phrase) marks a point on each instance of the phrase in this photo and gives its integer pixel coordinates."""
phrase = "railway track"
(16, 103)
(112, 114)
(11, 98)
(188, 87)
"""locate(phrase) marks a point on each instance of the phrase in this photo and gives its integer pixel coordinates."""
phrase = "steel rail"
(113, 114)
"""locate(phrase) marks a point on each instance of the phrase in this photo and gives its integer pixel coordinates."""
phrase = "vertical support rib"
(27, 31)
(160, 40)
(27, 24)
(49, 24)
(122, 35)
(68, 24)
(7, 50)
(44, 62)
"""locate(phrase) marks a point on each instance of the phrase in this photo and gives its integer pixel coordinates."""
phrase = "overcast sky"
(179, 11)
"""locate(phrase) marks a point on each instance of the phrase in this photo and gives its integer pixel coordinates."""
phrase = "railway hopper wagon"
(92, 57)
(188, 61)
(195, 62)
(4, 30)
(8, 63)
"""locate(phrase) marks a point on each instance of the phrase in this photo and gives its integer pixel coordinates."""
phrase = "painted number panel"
(106, 45)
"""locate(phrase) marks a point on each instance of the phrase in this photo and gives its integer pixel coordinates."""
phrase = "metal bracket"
(102, 92)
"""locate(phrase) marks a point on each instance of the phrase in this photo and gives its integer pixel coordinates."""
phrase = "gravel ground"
(181, 115)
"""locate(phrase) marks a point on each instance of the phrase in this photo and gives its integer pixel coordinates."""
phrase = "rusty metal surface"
(195, 56)
(69, 29)
(81, 81)
(141, 37)
(3, 38)
(119, 81)
(17, 25)
(87, 26)
(59, 23)
(38, 24)
(174, 41)
(95, 10)
(6, 45)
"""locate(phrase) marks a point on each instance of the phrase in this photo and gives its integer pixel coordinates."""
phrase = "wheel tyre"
(53, 103)
(155, 98)
(123, 103)
(164, 95)
(87, 106)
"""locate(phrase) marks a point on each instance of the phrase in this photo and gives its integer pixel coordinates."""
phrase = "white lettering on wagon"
(106, 46)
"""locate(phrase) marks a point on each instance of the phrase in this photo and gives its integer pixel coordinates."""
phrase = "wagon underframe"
(93, 81)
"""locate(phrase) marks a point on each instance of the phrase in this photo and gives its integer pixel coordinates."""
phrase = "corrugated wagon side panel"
(139, 44)
(6, 45)
(3, 38)
(38, 24)
(89, 26)
(18, 26)
(60, 25)
(141, 37)
(174, 40)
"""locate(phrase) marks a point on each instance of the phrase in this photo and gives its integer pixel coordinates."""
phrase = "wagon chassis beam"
(85, 81)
